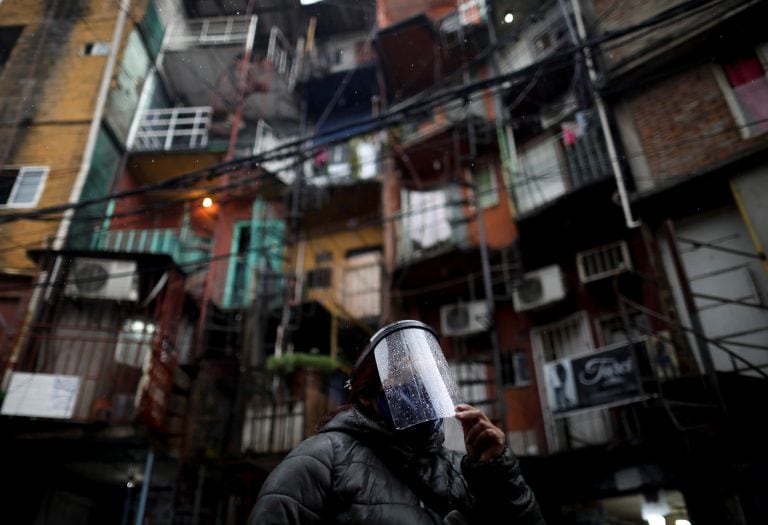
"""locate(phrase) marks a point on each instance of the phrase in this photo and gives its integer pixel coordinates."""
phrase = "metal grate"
(603, 262)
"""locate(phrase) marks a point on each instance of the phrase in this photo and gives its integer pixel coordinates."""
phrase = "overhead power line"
(370, 124)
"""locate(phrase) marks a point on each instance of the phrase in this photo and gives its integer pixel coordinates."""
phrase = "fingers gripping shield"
(414, 374)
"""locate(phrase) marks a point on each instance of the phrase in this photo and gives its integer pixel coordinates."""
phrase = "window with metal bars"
(514, 368)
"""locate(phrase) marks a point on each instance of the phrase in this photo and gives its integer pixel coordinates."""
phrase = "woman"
(381, 459)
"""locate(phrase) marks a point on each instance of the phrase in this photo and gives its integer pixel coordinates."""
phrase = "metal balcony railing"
(562, 163)
(229, 30)
(182, 246)
(281, 58)
(80, 371)
(273, 427)
(170, 129)
(587, 157)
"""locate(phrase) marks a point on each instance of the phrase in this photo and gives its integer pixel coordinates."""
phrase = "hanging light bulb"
(508, 18)
(207, 202)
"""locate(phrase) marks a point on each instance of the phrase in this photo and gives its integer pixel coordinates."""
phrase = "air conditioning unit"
(539, 288)
(464, 318)
(103, 279)
(602, 262)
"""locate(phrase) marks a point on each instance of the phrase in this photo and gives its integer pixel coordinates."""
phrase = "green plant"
(288, 363)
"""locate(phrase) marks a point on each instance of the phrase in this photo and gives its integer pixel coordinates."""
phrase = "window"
(134, 342)
(255, 269)
(430, 220)
(8, 37)
(742, 76)
(542, 175)
(95, 49)
(238, 290)
(319, 278)
(322, 275)
(324, 257)
(21, 187)
(487, 187)
(361, 294)
(612, 329)
(514, 369)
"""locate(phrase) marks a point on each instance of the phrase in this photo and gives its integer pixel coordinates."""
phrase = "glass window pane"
(27, 186)
(7, 180)
(487, 194)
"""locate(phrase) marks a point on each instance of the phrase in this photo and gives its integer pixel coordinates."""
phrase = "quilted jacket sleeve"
(296, 491)
(499, 489)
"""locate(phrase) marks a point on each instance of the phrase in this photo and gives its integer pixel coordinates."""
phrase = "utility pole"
(505, 146)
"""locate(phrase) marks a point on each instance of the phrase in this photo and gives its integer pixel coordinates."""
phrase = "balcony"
(173, 129)
(216, 31)
(180, 244)
(430, 223)
(198, 55)
(273, 427)
(541, 31)
(276, 424)
(345, 163)
(420, 51)
(94, 365)
(558, 164)
(434, 146)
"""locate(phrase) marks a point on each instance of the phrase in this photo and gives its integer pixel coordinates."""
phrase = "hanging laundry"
(321, 158)
(569, 133)
(581, 123)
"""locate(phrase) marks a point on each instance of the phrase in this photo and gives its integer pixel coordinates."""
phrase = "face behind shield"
(414, 374)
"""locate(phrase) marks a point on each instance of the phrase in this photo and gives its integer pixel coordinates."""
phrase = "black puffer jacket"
(356, 471)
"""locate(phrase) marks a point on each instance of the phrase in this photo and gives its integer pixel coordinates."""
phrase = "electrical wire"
(378, 123)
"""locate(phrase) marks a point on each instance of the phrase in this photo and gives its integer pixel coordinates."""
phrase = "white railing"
(215, 31)
(173, 129)
(282, 57)
(273, 427)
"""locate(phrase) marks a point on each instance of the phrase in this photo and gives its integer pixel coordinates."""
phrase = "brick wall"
(685, 125)
(52, 128)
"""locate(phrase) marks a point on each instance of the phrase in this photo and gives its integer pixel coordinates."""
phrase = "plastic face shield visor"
(414, 374)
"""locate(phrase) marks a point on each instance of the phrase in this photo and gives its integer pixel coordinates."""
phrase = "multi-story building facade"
(637, 247)
(135, 320)
(582, 224)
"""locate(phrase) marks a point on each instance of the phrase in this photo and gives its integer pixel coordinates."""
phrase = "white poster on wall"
(41, 395)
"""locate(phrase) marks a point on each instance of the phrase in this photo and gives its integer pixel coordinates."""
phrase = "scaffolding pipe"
(145, 487)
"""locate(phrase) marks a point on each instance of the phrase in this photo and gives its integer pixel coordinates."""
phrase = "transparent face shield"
(414, 374)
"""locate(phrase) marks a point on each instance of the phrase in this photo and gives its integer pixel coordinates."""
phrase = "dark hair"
(364, 382)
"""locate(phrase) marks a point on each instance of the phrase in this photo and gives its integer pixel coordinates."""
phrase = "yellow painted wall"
(68, 84)
(338, 244)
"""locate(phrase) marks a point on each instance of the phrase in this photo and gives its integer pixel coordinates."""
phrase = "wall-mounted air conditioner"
(103, 279)
(602, 262)
(539, 288)
(464, 318)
